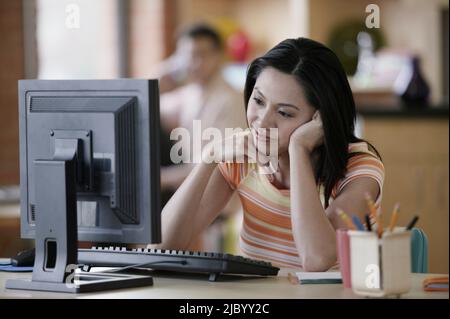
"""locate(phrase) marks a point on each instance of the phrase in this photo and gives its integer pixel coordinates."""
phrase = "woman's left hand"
(309, 135)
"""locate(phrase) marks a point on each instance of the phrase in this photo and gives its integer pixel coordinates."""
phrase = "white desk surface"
(198, 287)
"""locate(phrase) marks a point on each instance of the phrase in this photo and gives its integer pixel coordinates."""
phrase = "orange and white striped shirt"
(266, 231)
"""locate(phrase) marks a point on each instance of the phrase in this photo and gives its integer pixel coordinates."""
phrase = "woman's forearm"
(178, 214)
(313, 233)
(173, 176)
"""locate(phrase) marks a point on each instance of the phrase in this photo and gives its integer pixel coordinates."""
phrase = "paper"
(330, 277)
(5, 265)
(10, 268)
(5, 261)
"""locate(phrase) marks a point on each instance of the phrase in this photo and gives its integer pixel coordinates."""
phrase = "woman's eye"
(258, 101)
(284, 114)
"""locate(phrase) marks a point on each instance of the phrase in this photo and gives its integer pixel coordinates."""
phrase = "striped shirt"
(266, 231)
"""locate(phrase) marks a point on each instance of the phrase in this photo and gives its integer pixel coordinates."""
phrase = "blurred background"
(397, 66)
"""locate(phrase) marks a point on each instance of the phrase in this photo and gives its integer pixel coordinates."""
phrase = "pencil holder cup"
(343, 254)
(380, 266)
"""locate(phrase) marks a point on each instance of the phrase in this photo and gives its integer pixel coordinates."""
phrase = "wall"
(406, 24)
(11, 57)
(421, 33)
(267, 22)
(149, 31)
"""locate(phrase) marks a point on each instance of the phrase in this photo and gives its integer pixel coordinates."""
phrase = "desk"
(198, 287)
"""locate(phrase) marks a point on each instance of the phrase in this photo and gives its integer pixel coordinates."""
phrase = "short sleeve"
(363, 165)
(233, 173)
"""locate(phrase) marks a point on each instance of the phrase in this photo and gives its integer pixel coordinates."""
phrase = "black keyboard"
(175, 260)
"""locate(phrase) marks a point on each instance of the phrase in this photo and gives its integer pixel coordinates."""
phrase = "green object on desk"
(419, 251)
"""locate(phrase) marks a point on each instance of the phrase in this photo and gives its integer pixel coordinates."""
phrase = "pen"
(379, 227)
(412, 222)
(394, 217)
(368, 225)
(346, 219)
(373, 212)
(371, 205)
(357, 223)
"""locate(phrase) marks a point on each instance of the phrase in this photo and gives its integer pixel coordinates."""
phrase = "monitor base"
(83, 282)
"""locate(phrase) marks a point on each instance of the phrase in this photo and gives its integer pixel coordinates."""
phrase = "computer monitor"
(89, 166)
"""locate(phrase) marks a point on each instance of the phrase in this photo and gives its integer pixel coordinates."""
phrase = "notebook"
(435, 284)
(303, 278)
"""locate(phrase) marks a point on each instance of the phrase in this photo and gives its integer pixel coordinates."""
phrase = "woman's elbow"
(318, 263)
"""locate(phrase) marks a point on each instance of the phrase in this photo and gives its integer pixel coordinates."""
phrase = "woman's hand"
(240, 148)
(235, 148)
(309, 135)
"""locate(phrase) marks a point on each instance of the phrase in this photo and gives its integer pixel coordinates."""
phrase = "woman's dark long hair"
(322, 77)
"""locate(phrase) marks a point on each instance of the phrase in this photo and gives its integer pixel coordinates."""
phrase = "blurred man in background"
(203, 94)
(192, 88)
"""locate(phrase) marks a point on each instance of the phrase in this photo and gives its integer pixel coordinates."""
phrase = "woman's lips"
(264, 137)
(264, 143)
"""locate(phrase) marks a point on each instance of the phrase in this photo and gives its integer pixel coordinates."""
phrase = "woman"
(300, 88)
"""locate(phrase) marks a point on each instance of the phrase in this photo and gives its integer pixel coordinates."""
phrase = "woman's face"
(277, 101)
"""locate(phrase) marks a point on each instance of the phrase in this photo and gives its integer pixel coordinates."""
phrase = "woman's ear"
(316, 115)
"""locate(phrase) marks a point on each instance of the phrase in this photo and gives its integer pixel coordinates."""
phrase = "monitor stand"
(56, 239)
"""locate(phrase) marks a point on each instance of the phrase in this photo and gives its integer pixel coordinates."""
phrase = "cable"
(143, 265)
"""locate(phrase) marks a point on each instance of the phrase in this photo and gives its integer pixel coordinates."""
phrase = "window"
(78, 39)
